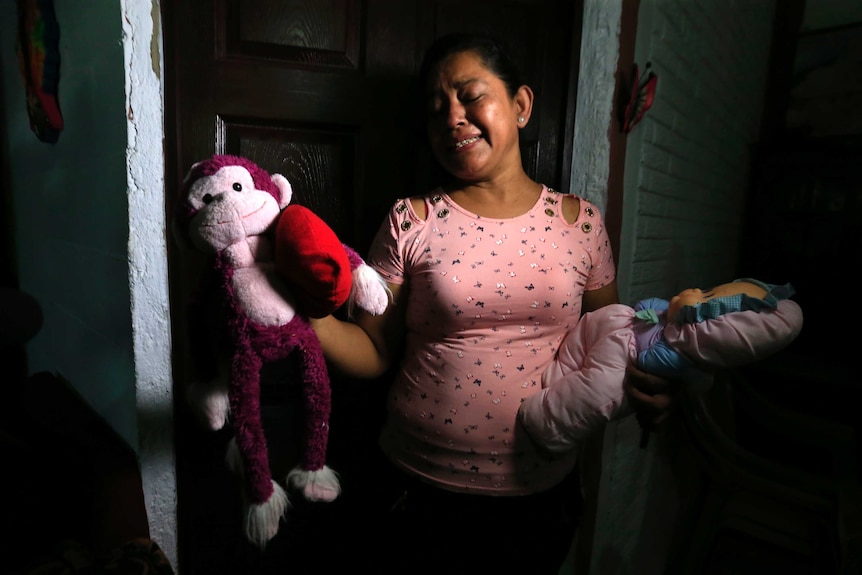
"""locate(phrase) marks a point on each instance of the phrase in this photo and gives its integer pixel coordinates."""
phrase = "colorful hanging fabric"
(38, 50)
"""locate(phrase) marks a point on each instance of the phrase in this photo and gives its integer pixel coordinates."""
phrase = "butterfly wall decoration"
(640, 97)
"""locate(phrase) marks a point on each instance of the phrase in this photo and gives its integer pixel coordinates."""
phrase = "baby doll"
(686, 338)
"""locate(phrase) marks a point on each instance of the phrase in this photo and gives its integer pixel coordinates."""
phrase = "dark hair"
(493, 53)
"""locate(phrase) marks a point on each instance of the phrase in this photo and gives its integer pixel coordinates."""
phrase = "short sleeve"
(603, 268)
(387, 252)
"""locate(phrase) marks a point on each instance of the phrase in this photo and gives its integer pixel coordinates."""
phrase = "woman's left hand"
(652, 397)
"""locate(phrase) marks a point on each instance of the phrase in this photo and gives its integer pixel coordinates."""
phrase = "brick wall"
(687, 172)
(688, 161)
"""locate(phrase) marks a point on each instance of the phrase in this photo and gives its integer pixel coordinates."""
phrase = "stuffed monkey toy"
(271, 266)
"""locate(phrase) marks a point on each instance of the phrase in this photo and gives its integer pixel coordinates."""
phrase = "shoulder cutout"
(571, 208)
(419, 207)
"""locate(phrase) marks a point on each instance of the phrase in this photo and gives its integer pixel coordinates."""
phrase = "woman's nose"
(455, 114)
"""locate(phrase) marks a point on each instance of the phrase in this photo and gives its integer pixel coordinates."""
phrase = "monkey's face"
(228, 209)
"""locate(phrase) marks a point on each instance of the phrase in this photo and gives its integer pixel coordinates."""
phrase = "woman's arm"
(594, 299)
(368, 347)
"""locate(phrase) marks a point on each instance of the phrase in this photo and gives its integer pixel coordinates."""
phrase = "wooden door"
(322, 91)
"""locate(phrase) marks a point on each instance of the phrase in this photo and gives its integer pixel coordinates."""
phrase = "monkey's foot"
(261, 519)
(320, 485)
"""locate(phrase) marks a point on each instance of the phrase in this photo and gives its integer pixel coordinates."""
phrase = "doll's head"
(695, 305)
(227, 200)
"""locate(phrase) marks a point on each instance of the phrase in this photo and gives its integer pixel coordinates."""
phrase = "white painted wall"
(148, 267)
(594, 111)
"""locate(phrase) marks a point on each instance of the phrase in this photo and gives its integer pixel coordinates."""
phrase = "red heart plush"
(313, 260)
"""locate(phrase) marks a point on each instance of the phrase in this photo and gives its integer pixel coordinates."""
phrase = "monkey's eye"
(237, 187)
(207, 199)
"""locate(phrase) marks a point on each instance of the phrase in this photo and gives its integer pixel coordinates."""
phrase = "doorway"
(323, 93)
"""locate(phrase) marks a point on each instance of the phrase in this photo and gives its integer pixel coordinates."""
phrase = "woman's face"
(472, 121)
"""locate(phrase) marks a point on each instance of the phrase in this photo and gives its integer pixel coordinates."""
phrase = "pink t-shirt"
(489, 303)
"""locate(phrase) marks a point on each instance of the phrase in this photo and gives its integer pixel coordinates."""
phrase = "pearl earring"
(521, 120)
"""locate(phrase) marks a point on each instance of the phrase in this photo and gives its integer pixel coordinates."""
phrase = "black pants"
(426, 530)
(386, 523)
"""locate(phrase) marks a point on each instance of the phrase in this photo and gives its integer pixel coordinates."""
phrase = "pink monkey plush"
(248, 314)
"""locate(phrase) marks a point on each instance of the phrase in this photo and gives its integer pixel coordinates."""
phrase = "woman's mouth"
(467, 142)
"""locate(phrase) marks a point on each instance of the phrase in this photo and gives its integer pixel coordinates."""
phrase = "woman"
(488, 273)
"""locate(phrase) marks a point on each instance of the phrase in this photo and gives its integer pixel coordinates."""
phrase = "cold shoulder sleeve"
(391, 243)
(602, 266)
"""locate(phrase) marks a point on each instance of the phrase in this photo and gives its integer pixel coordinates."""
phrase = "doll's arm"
(369, 290)
(583, 386)
(207, 391)
(737, 338)
(324, 272)
(311, 258)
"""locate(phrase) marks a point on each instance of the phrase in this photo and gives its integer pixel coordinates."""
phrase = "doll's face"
(695, 296)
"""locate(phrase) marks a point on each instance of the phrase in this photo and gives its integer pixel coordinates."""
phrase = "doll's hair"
(719, 306)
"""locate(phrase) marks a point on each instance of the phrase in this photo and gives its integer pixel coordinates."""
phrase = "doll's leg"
(264, 500)
(312, 477)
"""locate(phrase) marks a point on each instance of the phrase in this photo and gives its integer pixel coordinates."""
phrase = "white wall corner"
(594, 110)
(148, 274)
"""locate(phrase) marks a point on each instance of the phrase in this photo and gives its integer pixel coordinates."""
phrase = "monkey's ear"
(285, 188)
(190, 172)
